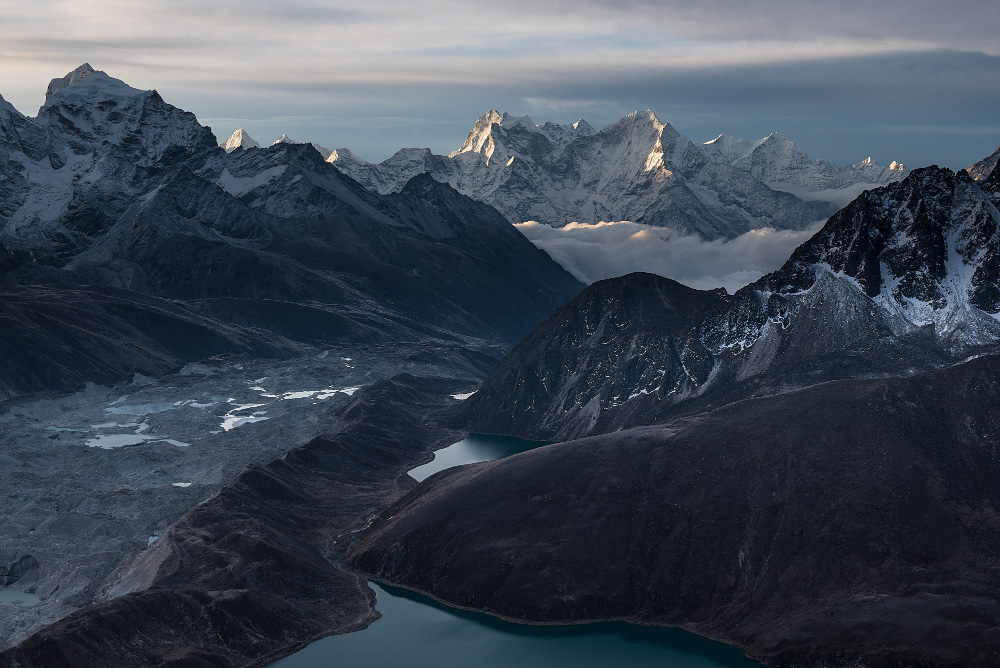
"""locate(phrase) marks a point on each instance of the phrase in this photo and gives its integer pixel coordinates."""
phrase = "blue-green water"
(417, 632)
(471, 449)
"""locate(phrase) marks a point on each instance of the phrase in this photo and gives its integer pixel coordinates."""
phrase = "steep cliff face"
(903, 278)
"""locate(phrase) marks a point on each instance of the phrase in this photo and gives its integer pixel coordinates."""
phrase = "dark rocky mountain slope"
(850, 523)
(112, 186)
(904, 278)
(60, 337)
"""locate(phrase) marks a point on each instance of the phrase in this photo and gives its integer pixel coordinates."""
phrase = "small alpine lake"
(417, 631)
(471, 449)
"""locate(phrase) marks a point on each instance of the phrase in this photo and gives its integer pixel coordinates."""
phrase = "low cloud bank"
(592, 252)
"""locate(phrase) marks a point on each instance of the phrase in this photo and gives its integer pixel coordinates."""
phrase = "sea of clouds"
(592, 252)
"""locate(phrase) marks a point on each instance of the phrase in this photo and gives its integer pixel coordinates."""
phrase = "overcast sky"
(910, 80)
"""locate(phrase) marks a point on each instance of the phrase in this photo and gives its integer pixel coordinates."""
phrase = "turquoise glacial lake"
(418, 632)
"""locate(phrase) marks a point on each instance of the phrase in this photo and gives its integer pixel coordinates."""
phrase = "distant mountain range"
(638, 169)
(783, 166)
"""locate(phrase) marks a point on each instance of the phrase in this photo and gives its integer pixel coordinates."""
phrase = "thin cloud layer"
(605, 250)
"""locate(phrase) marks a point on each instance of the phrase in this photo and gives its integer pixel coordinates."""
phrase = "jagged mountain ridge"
(242, 139)
(782, 165)
(637, 169)
(112, 186)
(904, 278)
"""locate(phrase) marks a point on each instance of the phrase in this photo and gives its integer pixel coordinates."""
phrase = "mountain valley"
(221, 360)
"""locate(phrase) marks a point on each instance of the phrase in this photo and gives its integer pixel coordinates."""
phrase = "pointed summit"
(343, 156)
(86, 83)
(481, 134)
(239, 139)
(76, 75)
(283, 139)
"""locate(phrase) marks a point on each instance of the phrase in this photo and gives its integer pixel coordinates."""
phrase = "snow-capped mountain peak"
(344, 155)
(511, 121)
(85, 84)
(323, 151)
(491, 129)
(925, 250)
(481, 134)
(283, 139)
(240, 139)
(76, 75)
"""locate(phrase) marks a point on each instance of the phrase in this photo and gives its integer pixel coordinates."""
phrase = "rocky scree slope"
(904, 278)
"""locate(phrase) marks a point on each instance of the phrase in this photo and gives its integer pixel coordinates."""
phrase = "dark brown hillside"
(850, 521)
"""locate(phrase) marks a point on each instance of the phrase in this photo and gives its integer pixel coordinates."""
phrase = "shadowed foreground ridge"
(850, 523)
